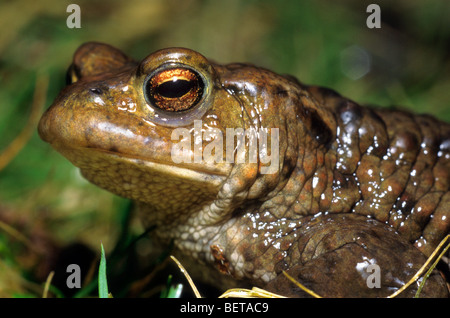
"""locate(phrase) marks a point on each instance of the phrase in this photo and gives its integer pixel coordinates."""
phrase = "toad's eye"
(175, 89)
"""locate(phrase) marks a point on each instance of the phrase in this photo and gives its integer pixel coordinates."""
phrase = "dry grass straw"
(40, 93)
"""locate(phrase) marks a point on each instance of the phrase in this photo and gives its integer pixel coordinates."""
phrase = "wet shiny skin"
(355, 186)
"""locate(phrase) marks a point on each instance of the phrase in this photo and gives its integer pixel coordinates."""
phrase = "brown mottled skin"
(355, 186)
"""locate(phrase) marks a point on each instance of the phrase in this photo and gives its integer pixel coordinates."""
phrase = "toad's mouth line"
(81, 156)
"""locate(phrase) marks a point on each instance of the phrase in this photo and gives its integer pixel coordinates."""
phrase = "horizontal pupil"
(175, 89)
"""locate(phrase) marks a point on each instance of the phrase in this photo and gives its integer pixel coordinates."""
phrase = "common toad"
(335, 187)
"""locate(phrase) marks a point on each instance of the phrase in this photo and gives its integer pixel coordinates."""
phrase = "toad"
(252, 174)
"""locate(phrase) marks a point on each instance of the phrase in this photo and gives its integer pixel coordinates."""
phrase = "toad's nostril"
(96, 91)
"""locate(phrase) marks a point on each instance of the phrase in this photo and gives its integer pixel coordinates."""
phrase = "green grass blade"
(175, 291)
(102, 282)
(171, 291)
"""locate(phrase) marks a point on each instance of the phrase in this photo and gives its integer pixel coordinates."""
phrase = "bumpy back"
(393, 166)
